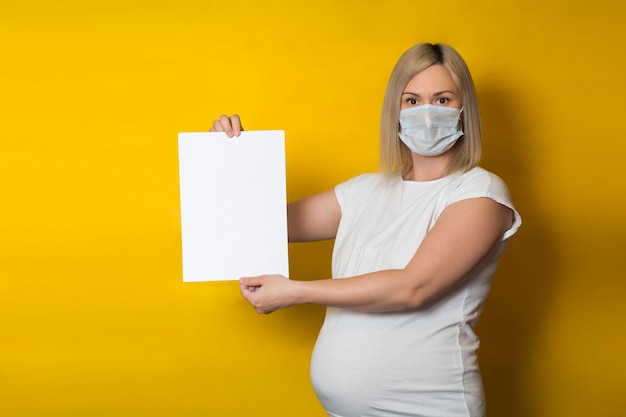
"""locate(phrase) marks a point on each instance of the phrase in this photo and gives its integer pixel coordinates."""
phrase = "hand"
(267, 293)
(231, 125)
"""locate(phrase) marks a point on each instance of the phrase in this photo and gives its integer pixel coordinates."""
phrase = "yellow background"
(94, 318)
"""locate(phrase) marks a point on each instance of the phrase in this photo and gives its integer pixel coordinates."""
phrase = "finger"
(218, 126)
(226, 125)
(235, 122)
(251, 281)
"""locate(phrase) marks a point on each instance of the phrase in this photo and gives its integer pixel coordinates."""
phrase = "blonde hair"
(395, 156)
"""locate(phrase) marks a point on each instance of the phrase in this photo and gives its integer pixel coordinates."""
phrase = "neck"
(428, 168)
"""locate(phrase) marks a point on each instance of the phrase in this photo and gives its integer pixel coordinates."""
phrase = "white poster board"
(233, 205)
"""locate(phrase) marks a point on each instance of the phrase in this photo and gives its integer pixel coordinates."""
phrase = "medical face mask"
(430, 130)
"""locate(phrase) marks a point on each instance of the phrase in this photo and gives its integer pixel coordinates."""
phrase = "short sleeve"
(479, 183)
(357, 189)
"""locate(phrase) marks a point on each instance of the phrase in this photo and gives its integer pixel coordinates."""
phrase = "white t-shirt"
(416, 363)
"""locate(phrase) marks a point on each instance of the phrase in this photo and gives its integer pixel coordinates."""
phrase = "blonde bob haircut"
(395, 156)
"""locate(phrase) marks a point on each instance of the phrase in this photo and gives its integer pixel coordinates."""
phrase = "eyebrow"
(439, 93)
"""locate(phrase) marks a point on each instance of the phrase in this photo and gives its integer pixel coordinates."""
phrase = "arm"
(462, 236)
(314, 218)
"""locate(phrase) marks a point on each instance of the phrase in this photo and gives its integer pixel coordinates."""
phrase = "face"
(433, 86)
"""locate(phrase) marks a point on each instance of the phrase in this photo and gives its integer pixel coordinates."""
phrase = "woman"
(415, 249)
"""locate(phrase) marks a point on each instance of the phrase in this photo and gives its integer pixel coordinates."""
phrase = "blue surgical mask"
(430, 130)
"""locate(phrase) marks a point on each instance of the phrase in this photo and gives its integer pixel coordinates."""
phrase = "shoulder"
(362, 181)
(479, 182)
(362, 186)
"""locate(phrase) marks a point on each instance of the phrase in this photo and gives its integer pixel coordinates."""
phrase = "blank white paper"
(233, 205)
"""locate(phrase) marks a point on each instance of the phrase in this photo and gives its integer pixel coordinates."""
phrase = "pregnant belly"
(382, 370)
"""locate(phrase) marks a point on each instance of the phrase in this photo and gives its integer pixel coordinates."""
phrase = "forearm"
(381, 291)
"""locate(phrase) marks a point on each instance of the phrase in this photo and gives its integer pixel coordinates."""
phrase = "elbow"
(415, 296)
(417, 293)
(415, 299)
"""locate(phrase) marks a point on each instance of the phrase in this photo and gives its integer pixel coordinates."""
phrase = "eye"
(442, 100)
(412, 101)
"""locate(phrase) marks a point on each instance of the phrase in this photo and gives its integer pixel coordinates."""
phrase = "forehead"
(433, 78)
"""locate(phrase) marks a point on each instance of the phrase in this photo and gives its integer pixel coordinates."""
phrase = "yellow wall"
(94, 318)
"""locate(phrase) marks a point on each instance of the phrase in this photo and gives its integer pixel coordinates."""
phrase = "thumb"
(250, 281)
